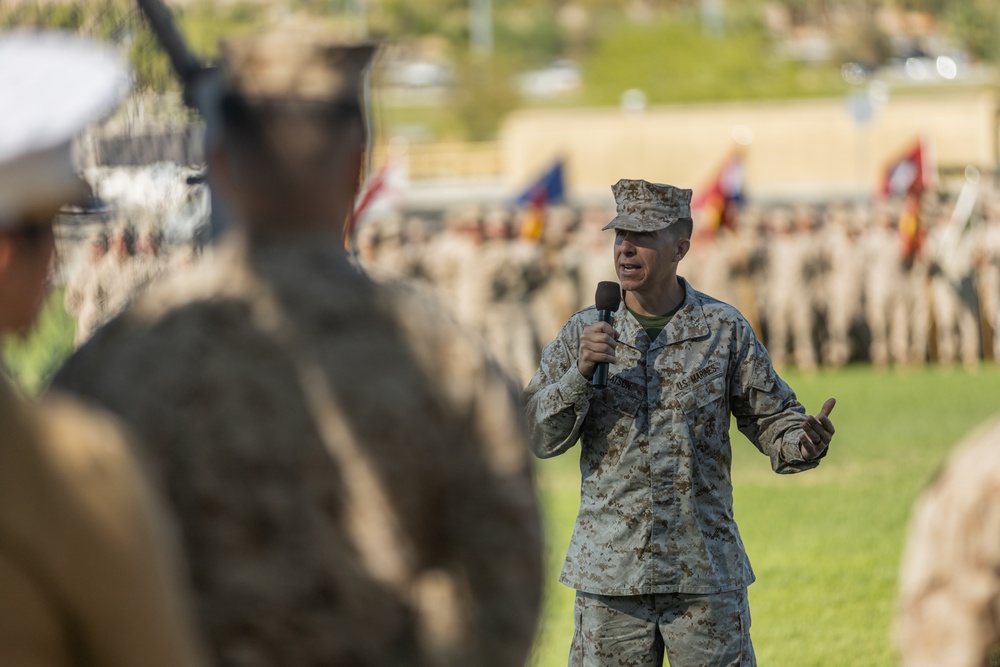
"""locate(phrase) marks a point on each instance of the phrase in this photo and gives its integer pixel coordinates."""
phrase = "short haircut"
(683, 228)
(287, 141)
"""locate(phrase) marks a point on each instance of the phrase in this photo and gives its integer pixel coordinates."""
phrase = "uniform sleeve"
(765, 407)
(558, 397)
(94, 539)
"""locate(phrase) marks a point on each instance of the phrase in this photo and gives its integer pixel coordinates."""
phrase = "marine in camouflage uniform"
(455, 254)
(80, 289)
(950, 580)
(887, 282)
(656, 557)
(508, 273)
(843, 286)
(792, 266)
(989, 277)
(116, 281)
(951, 253)
(350, 472)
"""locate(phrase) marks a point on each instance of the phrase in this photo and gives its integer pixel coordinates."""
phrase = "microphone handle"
(601, 371)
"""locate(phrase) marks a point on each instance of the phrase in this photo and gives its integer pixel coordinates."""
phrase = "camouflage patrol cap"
(295, 65)
(646, 207)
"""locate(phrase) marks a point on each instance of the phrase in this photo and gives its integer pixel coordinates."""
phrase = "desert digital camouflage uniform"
(116, 280)
(791, 268)
(664, 416)
(81, 290)
(754, 239)
(949, 598)
(507, 272)
(843, 284)
(655, 531)
(989, 278)
(152, 260)
(430, 463)
(916, 300)
(387, 257)
(714, 618)
(350, 472)
(553, 295)
(418, 231)
(956, 312)
(455, 253)
(718, 259)
(884, 286)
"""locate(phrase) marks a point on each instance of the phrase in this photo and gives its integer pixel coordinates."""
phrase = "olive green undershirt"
(653, 324)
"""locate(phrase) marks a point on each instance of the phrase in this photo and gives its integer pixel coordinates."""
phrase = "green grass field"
(31, 360)
(825, 544)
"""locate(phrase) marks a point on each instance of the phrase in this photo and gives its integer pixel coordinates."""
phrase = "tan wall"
(476, 159)
(799, 148)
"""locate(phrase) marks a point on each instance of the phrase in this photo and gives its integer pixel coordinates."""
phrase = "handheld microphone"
(607, 300)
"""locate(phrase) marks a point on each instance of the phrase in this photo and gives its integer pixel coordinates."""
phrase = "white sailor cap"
(52, 85)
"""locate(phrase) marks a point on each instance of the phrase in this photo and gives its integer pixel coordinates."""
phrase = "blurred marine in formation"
(351, 473)
(88, 568)
(950, 578)
(656, 557)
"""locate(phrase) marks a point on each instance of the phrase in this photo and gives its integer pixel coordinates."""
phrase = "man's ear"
(682, 249)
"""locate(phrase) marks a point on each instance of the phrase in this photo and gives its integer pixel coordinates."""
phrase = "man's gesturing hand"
(817, 432)
(597, 344)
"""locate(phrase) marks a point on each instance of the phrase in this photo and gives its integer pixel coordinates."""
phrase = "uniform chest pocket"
(703, 394)
(613, 400)
(606, 429)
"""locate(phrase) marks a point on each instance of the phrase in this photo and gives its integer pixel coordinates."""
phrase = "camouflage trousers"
(637, 630)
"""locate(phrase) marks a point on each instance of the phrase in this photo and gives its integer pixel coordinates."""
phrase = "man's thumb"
(827, 407)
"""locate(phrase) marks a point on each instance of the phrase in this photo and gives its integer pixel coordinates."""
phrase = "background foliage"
(661, 48)
(31, 360)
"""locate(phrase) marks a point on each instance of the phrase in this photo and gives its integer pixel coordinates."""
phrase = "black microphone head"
(609, 296)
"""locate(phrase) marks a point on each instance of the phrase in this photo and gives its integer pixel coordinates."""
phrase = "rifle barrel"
(161, 21)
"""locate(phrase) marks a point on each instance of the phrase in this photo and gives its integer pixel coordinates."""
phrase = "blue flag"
(548, 189)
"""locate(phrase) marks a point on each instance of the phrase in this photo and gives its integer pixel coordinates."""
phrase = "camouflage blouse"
(656, 510)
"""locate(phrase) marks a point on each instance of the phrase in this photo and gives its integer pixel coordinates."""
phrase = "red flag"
(385, 190)
(719, 201)
(911, 173)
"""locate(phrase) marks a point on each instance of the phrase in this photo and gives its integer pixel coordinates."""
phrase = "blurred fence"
(449, 160)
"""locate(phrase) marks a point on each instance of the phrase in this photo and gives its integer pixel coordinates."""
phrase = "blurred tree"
(861, 40)
(674, 61)
(807, 12)
(531, 36)
(484, 94)
(406, 19)
(119, 22)
(976, 24)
